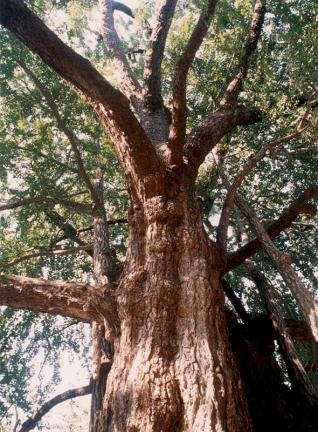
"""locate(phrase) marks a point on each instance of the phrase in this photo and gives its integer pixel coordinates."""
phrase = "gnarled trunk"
(173, 369)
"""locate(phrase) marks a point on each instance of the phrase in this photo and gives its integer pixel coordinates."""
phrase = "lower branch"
(31, 423)
(53, 297)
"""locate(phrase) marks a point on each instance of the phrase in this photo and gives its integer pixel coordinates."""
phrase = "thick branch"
(154, 55)
(78, 207)
(179, 111)
(136, 155)
(203, 138)
(297, 207)
(53, 297)
(31, 423)
(236, 84)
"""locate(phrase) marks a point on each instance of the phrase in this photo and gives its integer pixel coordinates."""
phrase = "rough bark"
(173, 366)
(105, 275)
(54, 297)
(172, 369)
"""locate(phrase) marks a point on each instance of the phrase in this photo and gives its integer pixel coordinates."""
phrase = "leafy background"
(36, 160)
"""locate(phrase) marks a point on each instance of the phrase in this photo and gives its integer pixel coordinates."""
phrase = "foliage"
(36, 160)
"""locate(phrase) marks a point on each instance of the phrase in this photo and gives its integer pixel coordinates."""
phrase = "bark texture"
(167, 357)
(172, 369)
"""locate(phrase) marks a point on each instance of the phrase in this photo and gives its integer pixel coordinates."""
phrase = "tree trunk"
(173, 369)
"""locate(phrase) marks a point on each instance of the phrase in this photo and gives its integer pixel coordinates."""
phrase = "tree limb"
(68, 299)
(204, 137)
(126, 80)
(69, 231)
(236, 302)
(31, 423)
(72, 138)
(282, 261)
(154, 55)
(138, 158)
(179, 110)
(122, 8)
(236, 84)
(51, 253)
(297, 207)
(247, 168)
(295, 368)
(73, 205)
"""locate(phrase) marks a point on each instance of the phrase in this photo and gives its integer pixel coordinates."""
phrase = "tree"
(167, 354)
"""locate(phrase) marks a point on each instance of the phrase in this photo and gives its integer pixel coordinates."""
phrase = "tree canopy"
(53, 150)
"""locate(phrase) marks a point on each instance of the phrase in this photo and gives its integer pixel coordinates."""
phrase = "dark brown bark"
(273, 405)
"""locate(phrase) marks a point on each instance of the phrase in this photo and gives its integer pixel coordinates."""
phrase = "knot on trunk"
(160, 209)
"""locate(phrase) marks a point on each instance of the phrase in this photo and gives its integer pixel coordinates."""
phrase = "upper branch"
(204, 137)
(179, 110)
(247, 168)
(236, 84)
(154, 54)
(127, 81)
(136, 155)
(300, 205)
(72, 138)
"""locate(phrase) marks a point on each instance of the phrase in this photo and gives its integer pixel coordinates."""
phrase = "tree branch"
(51, 253)
(53, 297)
(204, 137)
(154, 55)
(72, 138)
(69, 231)
(295, 368)
(236, 302)
(126, 80)
(31, 423)
(248, 167)
(236, 84)
(78, 207)
(282, 261)
(138, 158)
(122, 8)
(297, 207)
(179, 110)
